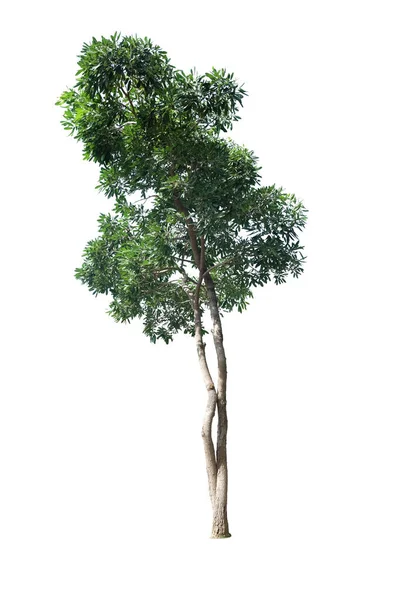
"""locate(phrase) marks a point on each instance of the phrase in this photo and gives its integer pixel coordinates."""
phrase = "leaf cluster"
(156, 134)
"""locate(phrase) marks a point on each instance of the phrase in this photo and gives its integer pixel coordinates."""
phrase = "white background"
(103, 484)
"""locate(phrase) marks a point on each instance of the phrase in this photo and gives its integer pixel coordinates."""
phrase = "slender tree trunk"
(206, 432)
(220, 528)
(216, 463)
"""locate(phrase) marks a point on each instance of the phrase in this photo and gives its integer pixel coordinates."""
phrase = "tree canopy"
(159, 136)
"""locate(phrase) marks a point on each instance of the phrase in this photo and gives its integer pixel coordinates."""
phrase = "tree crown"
(176, 180)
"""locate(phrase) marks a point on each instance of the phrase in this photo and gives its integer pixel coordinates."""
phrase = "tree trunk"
(220, 526)
(216, 464)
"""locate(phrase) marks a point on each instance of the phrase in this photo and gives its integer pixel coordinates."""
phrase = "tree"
(192, 228)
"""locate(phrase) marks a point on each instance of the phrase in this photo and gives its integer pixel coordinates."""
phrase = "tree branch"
(119, 127)
(206, 432)
(217, 336)
(201, 271)
(127, 96)
(191, 229)
(161, 271)
(220, 264)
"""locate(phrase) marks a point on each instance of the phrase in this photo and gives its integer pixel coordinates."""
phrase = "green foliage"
(156, 134)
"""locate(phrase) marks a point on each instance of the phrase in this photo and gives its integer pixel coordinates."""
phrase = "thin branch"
(186, 289)
(161, 271)
(191, 229)
(185, 275)
(166, 283)
(202, 255)
(142, 199)
(201, 274)
(220, 264)
(127, 96)
(119, 127)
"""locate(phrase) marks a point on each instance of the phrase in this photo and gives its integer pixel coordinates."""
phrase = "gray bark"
(216, 463)
(220, 517)
(206, 431)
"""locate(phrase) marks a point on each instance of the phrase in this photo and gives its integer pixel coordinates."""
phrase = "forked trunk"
(216, 463)
(217, 467)
(220, 527)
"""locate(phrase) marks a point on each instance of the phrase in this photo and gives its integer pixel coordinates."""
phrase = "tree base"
(220, 536)
(220, 525)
